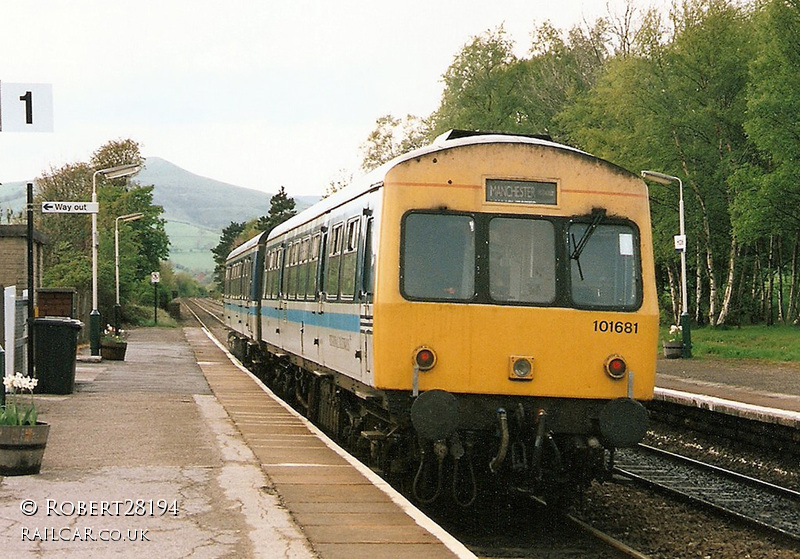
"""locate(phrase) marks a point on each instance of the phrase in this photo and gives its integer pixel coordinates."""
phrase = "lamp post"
(94, 316)
(680, 244)
(122, 218)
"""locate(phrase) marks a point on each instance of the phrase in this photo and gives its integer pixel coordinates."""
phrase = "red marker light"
(616, 367)
(425, 359)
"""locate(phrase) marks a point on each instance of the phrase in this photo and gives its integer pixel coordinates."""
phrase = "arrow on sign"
(71, 207)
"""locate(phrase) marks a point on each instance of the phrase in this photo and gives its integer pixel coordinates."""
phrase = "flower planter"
(22, 448)
(113, 351)
(673, 350)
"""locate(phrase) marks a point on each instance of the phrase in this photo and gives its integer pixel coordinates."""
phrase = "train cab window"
(522, 264)
(606, 271)
(438, 257)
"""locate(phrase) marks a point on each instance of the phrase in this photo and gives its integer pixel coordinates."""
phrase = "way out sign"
(26, 107)
(70, 207)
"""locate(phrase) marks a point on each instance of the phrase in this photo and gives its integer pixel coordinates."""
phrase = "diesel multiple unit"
(477, 312)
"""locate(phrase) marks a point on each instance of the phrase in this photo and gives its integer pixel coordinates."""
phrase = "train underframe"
(437, 445)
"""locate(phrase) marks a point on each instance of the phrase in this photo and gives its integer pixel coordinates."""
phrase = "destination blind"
(521, 192)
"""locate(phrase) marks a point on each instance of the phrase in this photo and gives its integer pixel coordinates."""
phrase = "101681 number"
(616, 326)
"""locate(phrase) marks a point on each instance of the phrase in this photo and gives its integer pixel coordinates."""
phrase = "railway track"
(765, 505)
(563, 536)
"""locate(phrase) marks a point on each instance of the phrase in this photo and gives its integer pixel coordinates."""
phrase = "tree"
(481, 87)
(343, 180)
(770, 195)
(393, 137)
(678, 107)
(144, 243)
(281, 208)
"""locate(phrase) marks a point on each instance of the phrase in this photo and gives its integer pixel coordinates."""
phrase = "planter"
(22, 448)
(113, 351)
(673, 350)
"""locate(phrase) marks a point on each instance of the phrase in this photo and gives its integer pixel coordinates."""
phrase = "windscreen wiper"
(597, 217)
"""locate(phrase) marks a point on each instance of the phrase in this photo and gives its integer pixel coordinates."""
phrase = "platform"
(766, 392)
(179, 452)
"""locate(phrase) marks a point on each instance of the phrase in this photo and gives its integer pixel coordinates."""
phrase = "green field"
(190, 247)
(768, 343)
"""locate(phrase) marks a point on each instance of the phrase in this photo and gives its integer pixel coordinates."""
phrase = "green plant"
(675, 333)
(111, 336)
(15, 412)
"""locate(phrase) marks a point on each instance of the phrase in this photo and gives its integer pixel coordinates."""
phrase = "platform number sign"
(26, 107)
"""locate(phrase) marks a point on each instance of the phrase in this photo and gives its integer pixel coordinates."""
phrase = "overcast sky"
(256, 93)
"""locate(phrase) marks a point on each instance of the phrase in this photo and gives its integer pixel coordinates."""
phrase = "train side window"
(271, 275)
(334, 259)
(438, 257)
(311, 286)
(276, 284)
(288, 273)
(606, 273)
(369, 262)
(246, 279)
(302, 275)
(522, 263)
(347, 283)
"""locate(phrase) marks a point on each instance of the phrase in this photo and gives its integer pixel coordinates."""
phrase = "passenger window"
(311, 286)
(369, 262)
(302, 275)
(348, 276)
(438, 257)
(334, 258)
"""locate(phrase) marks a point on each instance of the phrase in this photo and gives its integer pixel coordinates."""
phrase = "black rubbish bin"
(55, 345)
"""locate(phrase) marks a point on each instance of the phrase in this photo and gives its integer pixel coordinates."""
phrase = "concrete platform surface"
(177, 453)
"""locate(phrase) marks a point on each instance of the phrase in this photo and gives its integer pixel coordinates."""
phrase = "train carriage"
(241, 292)
(489, 298)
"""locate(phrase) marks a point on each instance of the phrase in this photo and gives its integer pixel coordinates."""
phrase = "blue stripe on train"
(336, 321)
(349, 322)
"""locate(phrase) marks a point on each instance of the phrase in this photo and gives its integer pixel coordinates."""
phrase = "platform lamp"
(680, 245)
(122, 218)
(94, 316)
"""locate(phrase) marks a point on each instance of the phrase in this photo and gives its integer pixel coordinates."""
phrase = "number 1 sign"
(26, 107)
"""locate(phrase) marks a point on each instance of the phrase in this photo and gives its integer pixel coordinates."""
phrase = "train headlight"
(615, 367)
(425, 358)
(521, 368)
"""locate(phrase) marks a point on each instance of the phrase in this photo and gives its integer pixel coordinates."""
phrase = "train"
(474, 316)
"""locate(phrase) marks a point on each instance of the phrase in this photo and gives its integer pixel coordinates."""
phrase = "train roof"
(448, 140)
(373, 179)
(246, 246)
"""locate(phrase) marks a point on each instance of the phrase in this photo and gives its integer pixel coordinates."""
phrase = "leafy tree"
(143, 244)
(393, 137)
(481, 86)
(678, 107)
(281, 208)
(343, 180)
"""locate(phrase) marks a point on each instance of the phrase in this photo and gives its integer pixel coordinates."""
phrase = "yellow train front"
(515, 299)
(480, 312)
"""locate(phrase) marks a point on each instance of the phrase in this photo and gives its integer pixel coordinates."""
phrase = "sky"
(256, 93)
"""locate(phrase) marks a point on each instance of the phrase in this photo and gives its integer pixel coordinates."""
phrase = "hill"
(196, 209)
